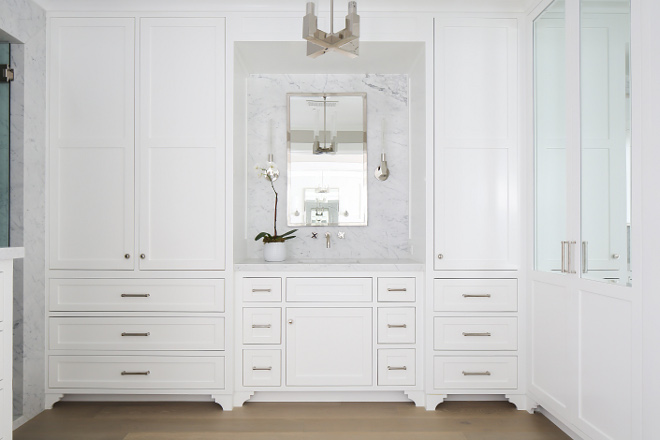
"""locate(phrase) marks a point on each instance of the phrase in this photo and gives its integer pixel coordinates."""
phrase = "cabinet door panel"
(182, 144)
(91, 143)
(329, 347)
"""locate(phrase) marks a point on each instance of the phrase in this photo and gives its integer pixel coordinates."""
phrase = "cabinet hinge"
(6, 74)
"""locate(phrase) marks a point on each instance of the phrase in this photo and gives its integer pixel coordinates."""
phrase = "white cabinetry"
(6, 339)
(179, 155)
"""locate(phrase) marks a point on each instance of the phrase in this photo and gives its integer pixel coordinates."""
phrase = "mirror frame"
(365, 196)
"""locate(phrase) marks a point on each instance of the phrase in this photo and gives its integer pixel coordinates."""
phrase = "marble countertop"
(12, 253)
(330, 265)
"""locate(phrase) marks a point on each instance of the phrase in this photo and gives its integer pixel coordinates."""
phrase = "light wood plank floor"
(287, 421)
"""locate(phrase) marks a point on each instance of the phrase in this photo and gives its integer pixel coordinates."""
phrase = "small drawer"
(484, 295)
(396, 366)
(136, 372)
(475, 372)
(329, 289)
(396, 289)
(262, 325)
(396, 325)
(113, 295)
(137, 333)
(262, 368)
(475, 333)
(262, 289)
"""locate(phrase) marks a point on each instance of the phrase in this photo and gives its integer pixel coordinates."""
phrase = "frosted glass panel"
(4, 152)
(550, 136)
(606, 141)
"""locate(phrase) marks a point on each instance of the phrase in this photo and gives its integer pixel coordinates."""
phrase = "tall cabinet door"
(476, 144)
(182, 143)
(91, 136)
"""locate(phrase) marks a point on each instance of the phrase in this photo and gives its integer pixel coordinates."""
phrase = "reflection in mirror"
(550, 136)
(327, 159)
(606, 140)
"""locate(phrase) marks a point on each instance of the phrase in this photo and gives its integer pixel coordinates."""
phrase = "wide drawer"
(262, 368)
(475, 295)
(137, 333)
(262, 325)
(396, 366)
(475, 333)
(329, 289)
(475, 372)
(396, 325)
(136, 372)
(111, 295)
(396, 289)
(262, 289)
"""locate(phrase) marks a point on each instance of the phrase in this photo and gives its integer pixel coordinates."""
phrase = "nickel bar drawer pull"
(397, 368)
(471, 295)
(476, 334)
(397, 326)
(262, 368)
(402, 289)
(135, 295)
(476, 373)
(261, 325)
(135, 334)
(135, 373)
(261, 290)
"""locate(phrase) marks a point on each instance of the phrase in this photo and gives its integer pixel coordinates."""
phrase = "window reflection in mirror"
(606, 141)
(327, 159)
(550, 136)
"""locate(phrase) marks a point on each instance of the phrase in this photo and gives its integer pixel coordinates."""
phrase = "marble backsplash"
(386, 235)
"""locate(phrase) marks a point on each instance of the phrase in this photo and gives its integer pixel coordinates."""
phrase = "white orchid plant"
(271, 173)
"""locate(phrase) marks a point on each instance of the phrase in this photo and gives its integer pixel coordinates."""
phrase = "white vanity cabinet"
(348, 333)
(162, 164)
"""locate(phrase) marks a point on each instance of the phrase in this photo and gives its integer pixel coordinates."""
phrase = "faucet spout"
(327, 240)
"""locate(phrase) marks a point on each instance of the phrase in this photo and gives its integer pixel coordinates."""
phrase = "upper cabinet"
(137, 174)
(476, 178)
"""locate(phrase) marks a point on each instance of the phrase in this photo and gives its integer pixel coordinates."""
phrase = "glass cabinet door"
(606, 141)
(550, 137)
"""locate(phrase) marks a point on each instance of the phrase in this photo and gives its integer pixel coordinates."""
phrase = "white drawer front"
(396, 366)
(475, 333)
(137, 333)
(475, 372)
(78, 295)
(396, 325)
(461, 295)
(329, 289)
(262, 289)
(262, 325)
(262, 368)
(396, 289)
(136, 372)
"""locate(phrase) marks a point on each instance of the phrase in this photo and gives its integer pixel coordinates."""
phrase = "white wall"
(23, 22)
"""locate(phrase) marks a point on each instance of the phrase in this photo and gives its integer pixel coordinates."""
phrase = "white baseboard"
(568, 431)
(17, 423)
(137, 398)
(329, 396)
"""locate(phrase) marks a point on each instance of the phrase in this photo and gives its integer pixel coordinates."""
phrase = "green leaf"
(262, 235)
(289, 238)
(288, 233)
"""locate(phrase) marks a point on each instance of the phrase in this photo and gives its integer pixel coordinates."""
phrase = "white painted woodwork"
(329, 347)
(121, 295)
(475, 295)
(136, 333)
(396, 325)
(262, 289)
(6, 347)
(91, 143)
(396, 289)
(486, 333)
(105, 372)
(475, 182)
(329, 289)
(396, 366)
(262, 325)
(475, 372)
(262, 368)
(181, 149)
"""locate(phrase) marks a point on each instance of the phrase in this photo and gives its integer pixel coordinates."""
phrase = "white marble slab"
(312, 266)
(12, 253)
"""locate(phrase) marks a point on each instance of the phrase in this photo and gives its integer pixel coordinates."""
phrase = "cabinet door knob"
(143, 256)
(127, 256)
(290, 321)
(440, 256)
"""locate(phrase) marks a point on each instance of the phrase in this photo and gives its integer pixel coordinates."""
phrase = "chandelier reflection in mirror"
(345, 41)
(320, 109)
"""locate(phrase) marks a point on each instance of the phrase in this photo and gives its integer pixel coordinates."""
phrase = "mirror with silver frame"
(327, 159)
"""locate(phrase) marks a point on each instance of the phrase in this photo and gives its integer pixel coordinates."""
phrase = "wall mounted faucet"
(327, 240)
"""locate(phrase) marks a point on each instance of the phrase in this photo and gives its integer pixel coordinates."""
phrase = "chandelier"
(345, 41)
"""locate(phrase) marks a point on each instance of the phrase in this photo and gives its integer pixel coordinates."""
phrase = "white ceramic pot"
(274, 251)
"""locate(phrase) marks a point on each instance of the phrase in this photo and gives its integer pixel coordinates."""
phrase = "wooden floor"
(287, 421)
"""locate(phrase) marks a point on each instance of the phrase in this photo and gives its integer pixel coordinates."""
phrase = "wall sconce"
(382, 172)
